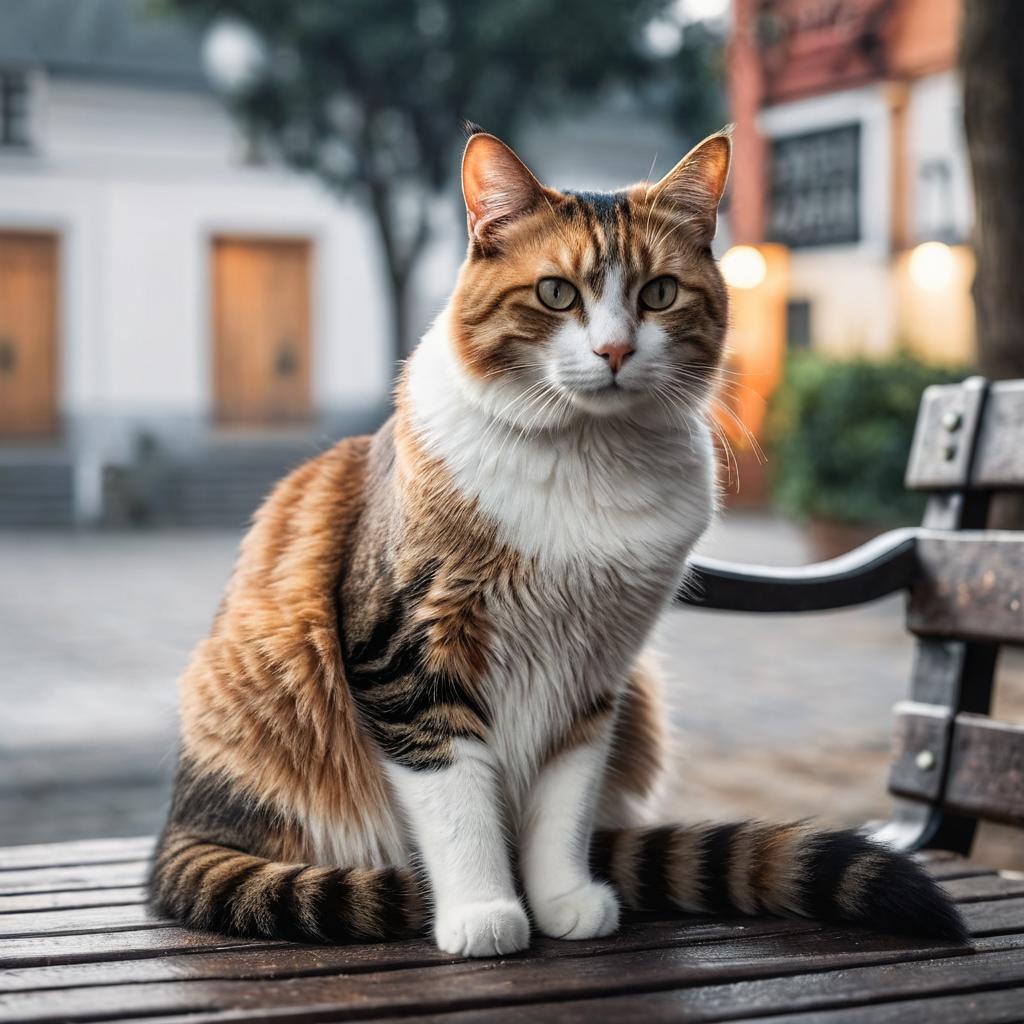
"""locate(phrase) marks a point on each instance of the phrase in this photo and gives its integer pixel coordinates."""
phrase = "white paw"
(492, 928)
(587, 912)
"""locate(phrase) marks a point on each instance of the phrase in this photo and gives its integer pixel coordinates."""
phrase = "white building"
(150, 279)
(155, 285)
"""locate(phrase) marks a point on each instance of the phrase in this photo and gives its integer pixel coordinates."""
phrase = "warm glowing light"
(743, 266)
(932, 266)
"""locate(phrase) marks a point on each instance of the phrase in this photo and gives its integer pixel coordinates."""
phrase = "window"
(814, 192)
(798, 324)
(14, 114)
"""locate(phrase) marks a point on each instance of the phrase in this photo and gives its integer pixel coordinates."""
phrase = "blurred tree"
(371, 95)
(993, 71)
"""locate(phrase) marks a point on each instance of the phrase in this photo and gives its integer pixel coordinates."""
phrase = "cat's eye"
(659, 293)
(556, 293)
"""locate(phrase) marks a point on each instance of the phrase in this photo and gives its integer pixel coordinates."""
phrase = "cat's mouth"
(605, 399)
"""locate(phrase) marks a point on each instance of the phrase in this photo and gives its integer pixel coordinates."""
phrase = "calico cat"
(425, 687)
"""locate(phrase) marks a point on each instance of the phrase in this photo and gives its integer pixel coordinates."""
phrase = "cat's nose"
(615, 353)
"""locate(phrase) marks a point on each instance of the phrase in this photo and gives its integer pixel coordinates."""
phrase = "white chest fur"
(605, 492)
(607, 512)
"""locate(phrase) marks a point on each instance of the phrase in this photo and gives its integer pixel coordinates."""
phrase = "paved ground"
(775, 716)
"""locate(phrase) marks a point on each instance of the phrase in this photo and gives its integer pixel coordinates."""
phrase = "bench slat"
(1000, 1007)
(985, 775)
(688, 1005)
(72, 877)
(875, 987)
(126, 945)
(287, 960)
(75, 900)
(986, 887)
(479, 983)
(85, 851)
(999, 459)
(91, 920)
(995, 917)
(971, 586)
(986, 770)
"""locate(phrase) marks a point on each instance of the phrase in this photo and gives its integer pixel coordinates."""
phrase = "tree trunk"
(993, 71)
(399, 298)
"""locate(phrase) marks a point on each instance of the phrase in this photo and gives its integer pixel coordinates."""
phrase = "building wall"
(136, 182)
(848, 286)
(799, 67)
(942, 205)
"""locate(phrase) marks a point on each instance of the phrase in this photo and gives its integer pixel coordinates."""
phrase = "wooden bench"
(76, 942)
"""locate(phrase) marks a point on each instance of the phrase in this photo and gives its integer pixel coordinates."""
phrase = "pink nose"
(616, 353)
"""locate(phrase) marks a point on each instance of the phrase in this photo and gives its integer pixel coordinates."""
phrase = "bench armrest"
(882, 566)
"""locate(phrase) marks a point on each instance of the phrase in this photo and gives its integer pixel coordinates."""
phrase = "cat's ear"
(497, 187)
(697, 182)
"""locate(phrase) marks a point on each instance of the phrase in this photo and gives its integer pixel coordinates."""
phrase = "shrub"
(840, 433)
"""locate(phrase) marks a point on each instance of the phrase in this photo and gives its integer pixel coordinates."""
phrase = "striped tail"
(788, 870)
(218, 888)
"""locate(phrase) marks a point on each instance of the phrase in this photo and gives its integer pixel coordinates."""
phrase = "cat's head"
(579, 304)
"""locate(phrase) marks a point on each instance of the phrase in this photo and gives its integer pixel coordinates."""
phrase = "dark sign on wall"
(814, 191)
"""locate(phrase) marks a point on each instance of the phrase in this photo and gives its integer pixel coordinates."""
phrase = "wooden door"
(28, 334)
(261, 298)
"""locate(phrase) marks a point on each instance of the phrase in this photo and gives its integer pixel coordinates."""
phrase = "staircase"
(36, 490)
(223, 487)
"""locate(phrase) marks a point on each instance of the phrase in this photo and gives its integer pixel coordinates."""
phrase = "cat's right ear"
(497, 187)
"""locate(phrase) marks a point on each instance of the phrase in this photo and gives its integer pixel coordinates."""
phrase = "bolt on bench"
(77, 944)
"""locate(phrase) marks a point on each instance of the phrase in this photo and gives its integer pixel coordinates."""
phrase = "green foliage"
(840, 431)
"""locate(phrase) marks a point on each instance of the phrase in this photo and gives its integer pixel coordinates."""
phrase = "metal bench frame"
(965, 597)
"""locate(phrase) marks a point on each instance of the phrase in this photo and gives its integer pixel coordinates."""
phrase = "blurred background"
(223, 225)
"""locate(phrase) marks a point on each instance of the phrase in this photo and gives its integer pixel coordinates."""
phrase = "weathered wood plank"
(288, 960)
(74, 900)
(71, 877)
(944, 436)
(128, 945)
(970, 586)
(956, 868)
(999, 455)
(485, 983)
(998, 1007)
(995, 917)
(920, 735)
(986, 887)
(986, 770)
(88, 920)
(86, 851)
(863, 988)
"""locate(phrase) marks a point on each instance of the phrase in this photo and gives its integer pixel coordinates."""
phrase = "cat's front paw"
(587, 912)
(491, 928)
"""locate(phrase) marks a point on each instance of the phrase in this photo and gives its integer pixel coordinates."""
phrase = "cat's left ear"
(697, 182)
(497, 187)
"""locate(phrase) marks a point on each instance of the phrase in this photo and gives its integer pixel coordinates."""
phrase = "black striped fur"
(744, 868)
(214, 871)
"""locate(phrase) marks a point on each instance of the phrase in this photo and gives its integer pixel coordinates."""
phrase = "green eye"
(556, 293)
(659, 293)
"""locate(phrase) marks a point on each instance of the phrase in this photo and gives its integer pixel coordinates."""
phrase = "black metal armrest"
(882, 566)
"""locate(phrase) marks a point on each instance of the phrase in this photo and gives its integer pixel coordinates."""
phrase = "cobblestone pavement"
(775, 716)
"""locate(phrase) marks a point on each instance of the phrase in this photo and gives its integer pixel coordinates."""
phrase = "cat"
(425, 689)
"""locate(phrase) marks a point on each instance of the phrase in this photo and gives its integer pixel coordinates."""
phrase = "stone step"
(36, 494)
